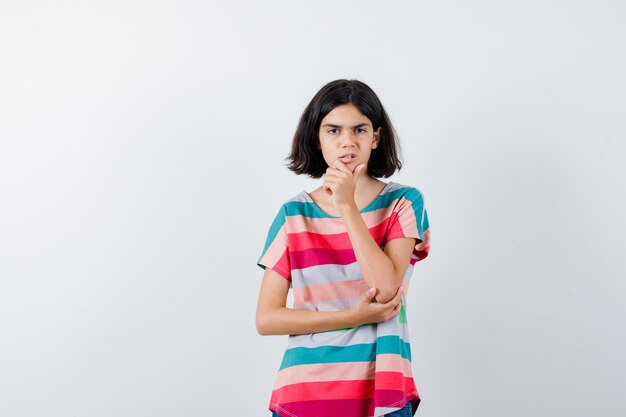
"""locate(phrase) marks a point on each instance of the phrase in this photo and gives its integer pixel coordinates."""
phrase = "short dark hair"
(306, 157)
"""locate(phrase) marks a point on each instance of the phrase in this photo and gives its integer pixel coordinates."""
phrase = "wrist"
(350, 318)
(347, 208)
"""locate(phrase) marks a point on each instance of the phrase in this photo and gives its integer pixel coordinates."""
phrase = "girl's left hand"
(340, 183)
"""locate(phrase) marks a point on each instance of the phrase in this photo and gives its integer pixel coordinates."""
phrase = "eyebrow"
(353, 127)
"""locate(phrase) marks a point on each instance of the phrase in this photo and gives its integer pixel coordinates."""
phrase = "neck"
(364, 184)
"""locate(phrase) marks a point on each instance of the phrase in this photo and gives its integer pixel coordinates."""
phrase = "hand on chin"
(340, 182)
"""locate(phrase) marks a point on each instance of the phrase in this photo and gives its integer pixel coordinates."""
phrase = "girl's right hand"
(368, 310)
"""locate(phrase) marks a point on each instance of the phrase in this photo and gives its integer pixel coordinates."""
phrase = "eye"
(333, 131)
(361, 130)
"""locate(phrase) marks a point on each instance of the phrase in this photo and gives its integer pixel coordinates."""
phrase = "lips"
(347, 157)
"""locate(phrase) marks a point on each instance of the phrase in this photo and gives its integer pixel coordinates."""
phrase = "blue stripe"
(311, 209)
(278, 222)
(365, 352)
(417, 201)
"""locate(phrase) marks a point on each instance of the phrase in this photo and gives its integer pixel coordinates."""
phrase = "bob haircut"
(306, 157)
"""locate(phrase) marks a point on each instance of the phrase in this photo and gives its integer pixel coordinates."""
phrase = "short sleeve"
(410, 219)
(275, 254)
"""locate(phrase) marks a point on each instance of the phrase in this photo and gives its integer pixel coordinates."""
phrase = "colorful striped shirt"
(358, 372)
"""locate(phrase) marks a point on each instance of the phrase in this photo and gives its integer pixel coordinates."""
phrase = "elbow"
(384, 297)
(268, 321)
(387, 293)
(263, 326)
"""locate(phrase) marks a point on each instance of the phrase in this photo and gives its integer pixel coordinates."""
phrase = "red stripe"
(306, 240)
(393, 380)
(283, 266)
(396, 230)
(331, 390)
(326, 249)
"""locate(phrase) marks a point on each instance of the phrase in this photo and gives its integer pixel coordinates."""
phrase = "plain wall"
(142, 150)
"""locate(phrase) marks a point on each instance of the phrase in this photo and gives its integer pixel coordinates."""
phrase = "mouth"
(347, 157)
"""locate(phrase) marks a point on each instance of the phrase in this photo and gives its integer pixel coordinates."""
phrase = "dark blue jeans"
(406, 411)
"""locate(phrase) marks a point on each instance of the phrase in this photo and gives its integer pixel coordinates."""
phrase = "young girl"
(347, 249)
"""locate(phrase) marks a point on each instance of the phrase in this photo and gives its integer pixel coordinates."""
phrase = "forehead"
(345, 114)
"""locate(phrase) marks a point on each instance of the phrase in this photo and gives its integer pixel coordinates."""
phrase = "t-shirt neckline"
(319, 209)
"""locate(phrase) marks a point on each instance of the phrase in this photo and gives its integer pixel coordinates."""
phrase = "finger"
(339, 171)
(357, 171)
(371, 293)
(335, 173)
(394, 303)
(396, 311)
(388, 315)
(335, 177)
(331, 177)
(369, 296)
(342, 167)
(398, 297)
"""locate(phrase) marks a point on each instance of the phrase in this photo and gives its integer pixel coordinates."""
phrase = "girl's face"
(347, 135)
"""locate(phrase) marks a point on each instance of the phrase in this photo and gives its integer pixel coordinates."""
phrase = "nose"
(347, 138)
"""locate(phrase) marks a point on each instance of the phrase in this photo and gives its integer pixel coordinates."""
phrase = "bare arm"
(274, 318)
(381, 269)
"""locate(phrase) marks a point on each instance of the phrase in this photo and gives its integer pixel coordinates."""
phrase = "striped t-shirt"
(358, 372)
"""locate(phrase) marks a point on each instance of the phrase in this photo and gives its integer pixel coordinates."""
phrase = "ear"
(377, 135)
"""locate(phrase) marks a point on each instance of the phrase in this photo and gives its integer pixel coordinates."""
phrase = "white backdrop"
(142, 148)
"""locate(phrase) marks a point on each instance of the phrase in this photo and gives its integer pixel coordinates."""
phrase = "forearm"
(283, 320)
(377, 269)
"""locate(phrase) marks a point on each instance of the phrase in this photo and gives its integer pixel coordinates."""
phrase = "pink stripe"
(407, 219)
(404, 223)
(389, 362)
(330, 291)
(276, 248)
(422, 249)
(325, 372)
